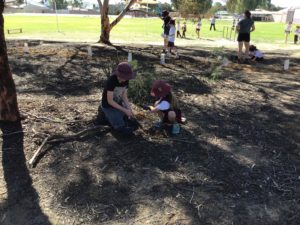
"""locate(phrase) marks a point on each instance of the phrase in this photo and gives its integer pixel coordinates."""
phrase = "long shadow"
(22, 203)
(209, 182)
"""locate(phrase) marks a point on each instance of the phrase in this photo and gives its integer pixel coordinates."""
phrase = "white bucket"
(129, 56)
(286, 64)
(26, 49)
(89, 50)
(225, 62)
(163, 58)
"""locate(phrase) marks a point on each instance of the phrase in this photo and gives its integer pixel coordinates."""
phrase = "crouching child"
(165, 106)
(255, 54)
(115, 105)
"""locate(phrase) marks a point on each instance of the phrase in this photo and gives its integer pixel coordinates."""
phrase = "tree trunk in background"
(106, 27)
(8, 99)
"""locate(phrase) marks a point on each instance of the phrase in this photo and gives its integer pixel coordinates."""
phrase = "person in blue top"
(244, 27)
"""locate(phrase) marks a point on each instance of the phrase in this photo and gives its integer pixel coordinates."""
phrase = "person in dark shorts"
(171, 38)
(198, 27)
(296, 34)
(183, 30)
(178, 29)
(244, 27)
(166, 18)
(213, 23)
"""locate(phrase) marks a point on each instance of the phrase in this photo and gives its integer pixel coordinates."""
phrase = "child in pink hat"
(165, 106)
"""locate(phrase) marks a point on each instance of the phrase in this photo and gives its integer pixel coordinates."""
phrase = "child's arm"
(125, 99)
(111, 102)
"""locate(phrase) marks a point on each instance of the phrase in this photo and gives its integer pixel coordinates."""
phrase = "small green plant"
(218, 52)
(134, 64)
(214, 72)
(139, 88)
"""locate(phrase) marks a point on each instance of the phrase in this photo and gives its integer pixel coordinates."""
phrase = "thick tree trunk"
(8, 99)
(106, 27)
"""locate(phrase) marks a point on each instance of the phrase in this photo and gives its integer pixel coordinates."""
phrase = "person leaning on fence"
(296, 34)
(115, 105)
(244, 27)
(165, 106)
(166, 18)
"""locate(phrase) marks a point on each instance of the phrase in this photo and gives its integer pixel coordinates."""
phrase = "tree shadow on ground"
(21, 195)
(63, 70)
(234, 169)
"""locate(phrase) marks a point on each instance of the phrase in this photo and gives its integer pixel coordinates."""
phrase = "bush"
(218, 52)
(214, 72)
(139, 88)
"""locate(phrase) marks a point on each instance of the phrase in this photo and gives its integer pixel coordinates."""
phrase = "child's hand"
(146, 107)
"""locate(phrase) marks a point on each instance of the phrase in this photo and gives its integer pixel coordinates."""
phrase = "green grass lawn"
(131, 30)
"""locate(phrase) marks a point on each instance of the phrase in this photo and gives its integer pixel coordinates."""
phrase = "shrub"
(214, 72)
(139, 88)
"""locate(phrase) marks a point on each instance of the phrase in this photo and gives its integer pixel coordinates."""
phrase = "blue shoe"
(175, 128)
(158, 124)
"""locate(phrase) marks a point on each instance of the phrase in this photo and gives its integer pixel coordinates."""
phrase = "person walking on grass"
(183, 30)
(171, 38)
(198, 27)
(213, 23)
(287, 31)
(166, 18)
(244, 27)
(178, 30)
(296, 34)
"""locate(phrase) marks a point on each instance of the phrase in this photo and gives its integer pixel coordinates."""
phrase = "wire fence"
(229, 33)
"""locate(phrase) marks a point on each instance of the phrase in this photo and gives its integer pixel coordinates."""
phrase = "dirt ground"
(236, 161)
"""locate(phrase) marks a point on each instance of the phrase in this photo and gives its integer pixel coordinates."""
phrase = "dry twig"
(63, 138)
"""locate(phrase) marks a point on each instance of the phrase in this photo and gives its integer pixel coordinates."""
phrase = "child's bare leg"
(165, 43)
(172, 116)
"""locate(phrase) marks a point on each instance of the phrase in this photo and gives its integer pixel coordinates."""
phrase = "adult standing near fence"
(166, 18)
(213, 23)
(244, 27)
(287, 31)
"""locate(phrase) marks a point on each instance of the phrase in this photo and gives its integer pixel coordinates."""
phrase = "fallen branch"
(63, 138)
(38, 151)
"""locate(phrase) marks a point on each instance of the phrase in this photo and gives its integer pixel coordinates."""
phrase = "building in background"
(286, 15)
(262, 15)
